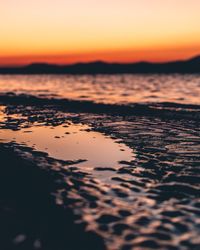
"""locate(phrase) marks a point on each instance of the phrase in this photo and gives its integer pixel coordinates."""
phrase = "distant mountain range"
(187, 66)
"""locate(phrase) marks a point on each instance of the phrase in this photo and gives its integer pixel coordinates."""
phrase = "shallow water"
(152, 200)
(124, 89)
(150, 203)
(73, 142)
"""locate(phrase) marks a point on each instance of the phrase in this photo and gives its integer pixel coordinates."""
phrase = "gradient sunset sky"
(63, 31)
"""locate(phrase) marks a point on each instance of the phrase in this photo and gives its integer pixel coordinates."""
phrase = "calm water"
(151, 199)
(108, 89)
(72, 142)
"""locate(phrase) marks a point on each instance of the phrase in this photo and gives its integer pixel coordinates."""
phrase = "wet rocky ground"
(152, 202)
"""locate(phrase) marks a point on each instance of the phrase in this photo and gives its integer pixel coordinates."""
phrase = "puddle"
(73, 142)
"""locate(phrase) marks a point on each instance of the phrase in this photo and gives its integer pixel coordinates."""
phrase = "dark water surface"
(117, 89)
(140, 186)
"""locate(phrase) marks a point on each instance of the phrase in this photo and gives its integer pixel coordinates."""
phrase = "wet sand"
(30, 216)
(151, 202)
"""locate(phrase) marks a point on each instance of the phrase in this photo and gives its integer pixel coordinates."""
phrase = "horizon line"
(96, 61)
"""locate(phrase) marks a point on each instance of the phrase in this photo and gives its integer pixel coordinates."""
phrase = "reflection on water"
(72, 142)
(108, 89)
(152, 201)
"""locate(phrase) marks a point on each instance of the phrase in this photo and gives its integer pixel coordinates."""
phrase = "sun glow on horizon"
(115, 30)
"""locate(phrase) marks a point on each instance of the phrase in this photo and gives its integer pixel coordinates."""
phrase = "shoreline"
(159, 186)
(163, 110)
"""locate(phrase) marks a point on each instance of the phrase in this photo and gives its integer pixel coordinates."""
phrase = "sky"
(66, 31)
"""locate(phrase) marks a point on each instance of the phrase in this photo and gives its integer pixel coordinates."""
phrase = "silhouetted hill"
(99, 67)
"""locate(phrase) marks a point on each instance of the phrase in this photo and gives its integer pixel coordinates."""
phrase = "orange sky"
(65, 31)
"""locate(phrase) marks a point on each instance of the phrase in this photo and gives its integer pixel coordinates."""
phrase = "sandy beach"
(147, 198)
